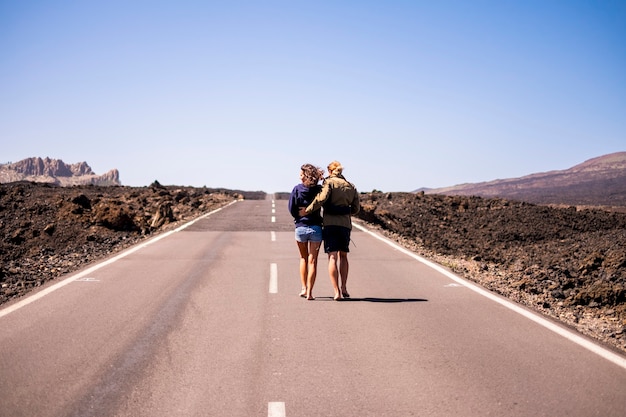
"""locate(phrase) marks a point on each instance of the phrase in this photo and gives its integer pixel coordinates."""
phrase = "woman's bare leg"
(314, 248)
(303, 248)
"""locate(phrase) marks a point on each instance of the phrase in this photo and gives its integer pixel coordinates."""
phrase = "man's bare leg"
(344, 267)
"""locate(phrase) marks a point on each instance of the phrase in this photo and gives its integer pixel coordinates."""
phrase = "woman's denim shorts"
(309, 234)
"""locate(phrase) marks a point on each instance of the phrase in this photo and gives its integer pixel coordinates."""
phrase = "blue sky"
(239, 94)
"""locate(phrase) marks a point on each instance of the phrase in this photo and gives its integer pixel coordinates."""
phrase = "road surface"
(206, 321)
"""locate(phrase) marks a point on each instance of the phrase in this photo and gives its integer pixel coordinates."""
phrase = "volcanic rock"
(567, 263)
(48, 231)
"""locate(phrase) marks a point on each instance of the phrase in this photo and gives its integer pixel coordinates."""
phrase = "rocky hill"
(55, 171)
(597, 182)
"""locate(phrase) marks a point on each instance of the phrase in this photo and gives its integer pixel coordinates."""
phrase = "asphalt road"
(206, 321)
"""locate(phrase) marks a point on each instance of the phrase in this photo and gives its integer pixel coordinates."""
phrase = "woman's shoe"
(303, 292)
(345, 294)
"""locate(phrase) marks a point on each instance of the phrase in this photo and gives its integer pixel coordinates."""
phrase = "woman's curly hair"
(311, 174)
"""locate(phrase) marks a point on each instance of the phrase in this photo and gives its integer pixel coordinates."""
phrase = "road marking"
(273, 278)
(273, 236)
(89, 271)
(273, 219)
(276, 409)
(453, 285)
(568, 334)
(87, 279)
(273, 211)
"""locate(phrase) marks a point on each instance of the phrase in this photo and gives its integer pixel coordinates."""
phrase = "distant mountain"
(55, 171)
(599, 181)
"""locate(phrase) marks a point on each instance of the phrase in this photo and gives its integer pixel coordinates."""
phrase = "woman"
(308, 227)
(340, 201)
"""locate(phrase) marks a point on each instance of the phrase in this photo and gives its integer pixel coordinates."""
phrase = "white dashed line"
(276, 409)
(273, 278)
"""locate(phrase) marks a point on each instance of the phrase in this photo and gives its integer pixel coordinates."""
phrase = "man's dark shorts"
(336, 238)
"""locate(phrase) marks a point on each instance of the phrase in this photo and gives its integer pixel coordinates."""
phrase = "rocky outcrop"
(110, 178)
(55, 171)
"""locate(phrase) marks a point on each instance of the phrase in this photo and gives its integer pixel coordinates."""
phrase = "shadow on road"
(377, 300)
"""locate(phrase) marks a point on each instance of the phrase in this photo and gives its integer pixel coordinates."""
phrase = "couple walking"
(323, 213)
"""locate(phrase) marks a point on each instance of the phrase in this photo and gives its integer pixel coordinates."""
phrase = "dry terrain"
(48, 231)
(566, 263)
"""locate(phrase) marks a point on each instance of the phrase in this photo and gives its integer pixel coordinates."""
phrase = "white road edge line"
(568, 334)
(276, 409)
(88, 271)
(273, 278)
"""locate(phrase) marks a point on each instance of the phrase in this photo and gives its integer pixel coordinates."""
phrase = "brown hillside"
(597, 182)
